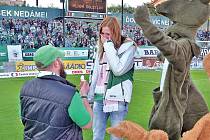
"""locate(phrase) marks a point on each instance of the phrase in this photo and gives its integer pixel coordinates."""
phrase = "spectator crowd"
(34, 33)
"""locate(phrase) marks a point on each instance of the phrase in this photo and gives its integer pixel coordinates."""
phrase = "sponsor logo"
(151, 52)
(22, 66)
(75, 65)
(14, 74)
(28, 54)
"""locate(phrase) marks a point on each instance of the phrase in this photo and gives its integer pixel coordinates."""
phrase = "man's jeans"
(100, 119)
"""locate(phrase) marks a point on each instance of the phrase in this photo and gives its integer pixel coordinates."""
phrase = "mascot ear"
(205, 1)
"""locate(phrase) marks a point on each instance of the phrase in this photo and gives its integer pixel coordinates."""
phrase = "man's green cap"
(47, 55)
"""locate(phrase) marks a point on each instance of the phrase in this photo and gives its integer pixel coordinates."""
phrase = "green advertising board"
(70, 54)
(1, 67)
(29, 12)
(76, 53)
(28, 54)
(3, 54)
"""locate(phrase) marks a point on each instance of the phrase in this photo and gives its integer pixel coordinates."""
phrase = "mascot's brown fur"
(206, 64)
(201, 130)
(132, 131)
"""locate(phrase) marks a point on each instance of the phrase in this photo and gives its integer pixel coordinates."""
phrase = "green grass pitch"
(139, 109)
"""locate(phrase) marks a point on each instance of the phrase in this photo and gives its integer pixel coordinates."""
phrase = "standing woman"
(112, 78)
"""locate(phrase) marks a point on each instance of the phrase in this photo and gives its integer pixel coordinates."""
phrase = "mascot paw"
(129, 130)
(133, 131)
(200, 131)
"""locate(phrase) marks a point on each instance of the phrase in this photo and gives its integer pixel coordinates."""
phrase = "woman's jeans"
(100, 119)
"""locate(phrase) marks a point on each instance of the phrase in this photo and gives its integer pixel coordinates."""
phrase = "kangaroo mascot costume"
(178, 105)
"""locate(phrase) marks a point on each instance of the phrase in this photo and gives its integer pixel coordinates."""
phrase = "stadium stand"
(34, 33)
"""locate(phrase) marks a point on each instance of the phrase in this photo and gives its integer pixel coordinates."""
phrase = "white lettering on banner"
(33, 15)
(16, 13)
(6, 13)
(129, 20)
(204, 51)
(2, 54)
(44, 14)
(161, 22)
(9, 13)
(3, 12)
(24, 14)
(164, 22)
(21, 13)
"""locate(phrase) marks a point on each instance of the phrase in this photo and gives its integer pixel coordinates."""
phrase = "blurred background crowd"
(34, 33)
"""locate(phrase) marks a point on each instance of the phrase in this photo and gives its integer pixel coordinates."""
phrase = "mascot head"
(188, 14)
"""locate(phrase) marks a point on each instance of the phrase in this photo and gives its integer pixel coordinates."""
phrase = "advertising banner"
(28, 54)
(147, 63)
(69, 65)
(148, 51)
(76, 53)
(75, 64)
(128, 19)
(34, 73)
(77, 71)
(29, 12)
(4, 75)
(70, 54)
(159, 21)
(18, 74)
(3, 54)
(22, 66)
(14, 53)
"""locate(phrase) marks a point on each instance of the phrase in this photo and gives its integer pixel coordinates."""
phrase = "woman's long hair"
(115, 29)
